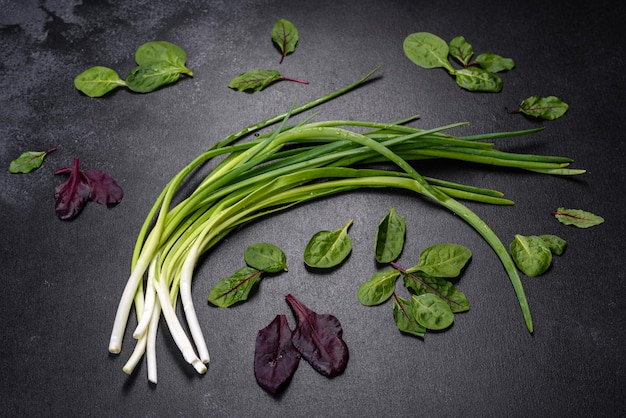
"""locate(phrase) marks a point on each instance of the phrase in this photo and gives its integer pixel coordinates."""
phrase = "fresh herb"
(276, 170)
(577, 217)
(405, 317)
(328, 248)
(260, 258)
(533, 254)
(379, 288)
(430, 51)
(159, 63)
(275, 357)
(28, 161)
(548, 108)
(390, 237)
(257, 80)
(431, 311)
(442, 260)
(285, 36)
(81, 186)
(318, 338)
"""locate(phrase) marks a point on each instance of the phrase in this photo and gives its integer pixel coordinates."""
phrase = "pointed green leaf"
(235, 288)
(494, 63)
(97, 81)
(390, 237)
(427, 51)
(443, 260)
(404, 316)
(255, 80)
(577, 217)
(477, 79)
(265, 257)
(28, 161)
(548, 108)
(328, 248)
(285, 36)
(162, 51)
(461, 50)
(149, 77)
(432, 312)
(379, 288)
(530, 254)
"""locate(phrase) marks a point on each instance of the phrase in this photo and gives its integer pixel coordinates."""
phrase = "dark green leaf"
(421, 284)
(427, 51)
(577, 217)
(328, 248)
(97, 81)
(255, 80)
(265, 257)
(548, 108)
(390, 237)
(431, 311)
(149, 77)
(461, 50)
(379, 288)
(477, 79)
(554, 243)
(531, 255)
(28, 161)
(162, 51)
(443, 260)
(235, 288)
(285, 35)
(494, 63)
(404, 316)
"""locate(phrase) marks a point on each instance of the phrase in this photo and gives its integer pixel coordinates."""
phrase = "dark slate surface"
(61, 281)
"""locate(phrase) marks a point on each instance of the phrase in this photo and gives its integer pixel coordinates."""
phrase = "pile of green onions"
(274, 171)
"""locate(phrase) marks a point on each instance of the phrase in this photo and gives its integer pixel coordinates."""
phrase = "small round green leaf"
(328, 248)
(265, 257)
(530, 254)
(427, 51)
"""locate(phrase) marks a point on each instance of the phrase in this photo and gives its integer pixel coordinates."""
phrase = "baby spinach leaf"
(28, 161)
(285, 36)
(421, 284)
(477, 79)
(257, 80)
(530, 254)
(235, 288)
(149, 77)
(275, 357)
(554, 243)
(72, 195)
(548, 108)
(461, 50)
(432, 312)
(404, 316)
(162, 51)
(390, 237)
(328, 248)
(494, 63)
(379, 288)
(427, 51)
(318, 338)
(265, 257)
(98, 81)
(577, 217)
(442, 260)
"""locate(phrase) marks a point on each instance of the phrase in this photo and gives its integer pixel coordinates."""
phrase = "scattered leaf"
(28, 161)
(530, 254)
(235, 288)
(494, 63)
(379, 288)
(257, 80)
(285, 36)
(577, 217)
(97, 81)
(548, 108)
(328, 248)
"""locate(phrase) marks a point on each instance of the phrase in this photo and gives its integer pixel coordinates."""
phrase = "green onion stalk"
(276, 170)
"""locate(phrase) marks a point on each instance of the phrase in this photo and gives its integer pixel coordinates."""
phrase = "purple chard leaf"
(104, 189)
(275, 357)
(318, 339)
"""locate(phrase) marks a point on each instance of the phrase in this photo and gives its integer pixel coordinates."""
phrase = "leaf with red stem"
(285, 36)
(28, 161)
(275, 357)
(577, 217)
(318, 339)
(257, 80)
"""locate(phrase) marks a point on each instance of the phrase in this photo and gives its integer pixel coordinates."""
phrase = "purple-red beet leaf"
(275, 357)
(318, 339)
(72, 195)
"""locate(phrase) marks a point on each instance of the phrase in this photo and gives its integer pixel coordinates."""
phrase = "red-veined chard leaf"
(421, 284)
(461, 50)
(275, 357)
(285, 36)
(494, 63)
(235, 288)
(548, 108)
(318, 338)
(28, 161)
(72, 195)
(257, 80)
(404, 316)
(577, 217)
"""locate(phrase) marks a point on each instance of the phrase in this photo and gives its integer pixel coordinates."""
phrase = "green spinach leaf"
(404, 316)
(461, 50)
(530, 254)
(390, 237)
(554, 243)
(494, 63)
(97, 81)
(328, 248)
(379, 288)
(162, 51)
(432, 312)
(149, 77)
(442, 260)
(265, 257)
(427, 51)
(477, 79)
(421, 284)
